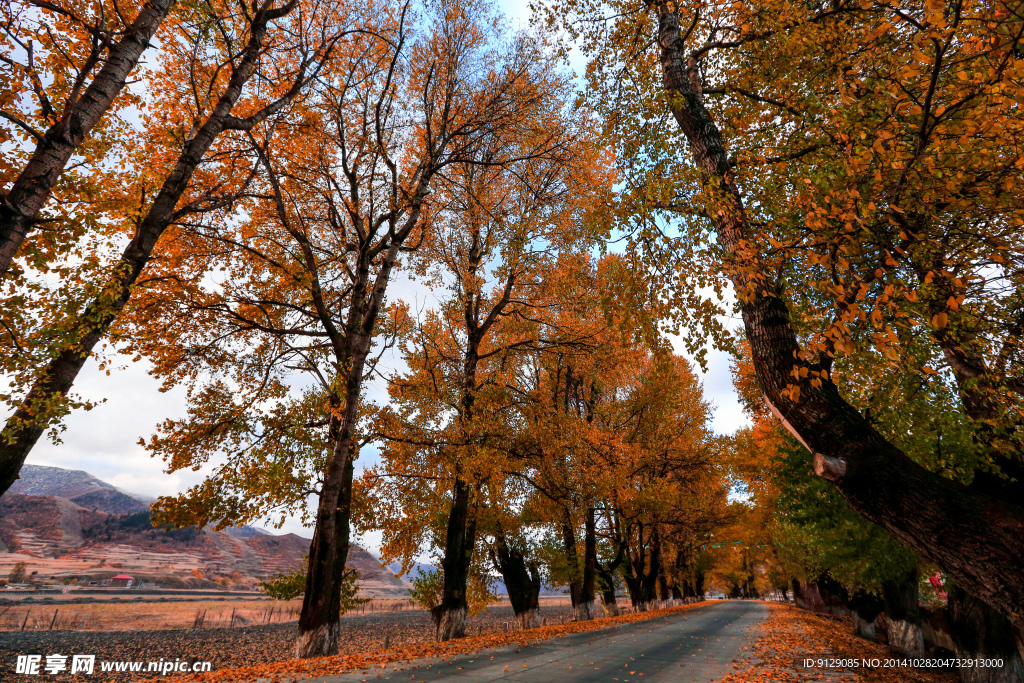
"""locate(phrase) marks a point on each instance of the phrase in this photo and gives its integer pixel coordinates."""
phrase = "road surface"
(695, 645)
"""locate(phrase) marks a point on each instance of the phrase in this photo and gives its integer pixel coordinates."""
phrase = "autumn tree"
(501, 233)
(509, 526)
(64, 64)
(832, 554)
(208, 86)
(555, 458)
(17, 573)
(557, 447)
(670, 498)
(617, 451)
(342, 191)
(866, 192)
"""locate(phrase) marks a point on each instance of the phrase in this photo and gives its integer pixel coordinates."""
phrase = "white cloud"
(104, 441)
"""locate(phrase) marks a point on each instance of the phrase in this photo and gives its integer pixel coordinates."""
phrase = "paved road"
(696, 645)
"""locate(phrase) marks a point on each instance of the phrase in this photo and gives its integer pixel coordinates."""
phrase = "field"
(156, 615)
(125, 616)
(377, 627)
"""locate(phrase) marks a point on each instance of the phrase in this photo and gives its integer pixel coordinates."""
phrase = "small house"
(122, 581)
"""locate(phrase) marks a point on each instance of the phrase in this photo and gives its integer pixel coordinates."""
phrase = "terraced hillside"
(59, 538)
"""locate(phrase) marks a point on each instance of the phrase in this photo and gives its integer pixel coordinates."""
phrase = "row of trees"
(807, 538)
(558, 450)
(239, 227)
(849, 167)
(243, 240)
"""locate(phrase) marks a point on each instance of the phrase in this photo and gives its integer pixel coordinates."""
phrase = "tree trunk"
(903, 610)
(44, 400)
(643, 579)
(536, 585)
(865, 608)
(572, 563)
(450, 614)
(980, 632)
(807, 597)
(698, 582)
(28, 194)
(321, 606)
(585, 608)
(973, 537)
(798, 596)
(606, 580)
(611, 603)
(328, 552)
(606, 572)
(749, 589)
(654, 571)
(634, 588)
(521, 581)
(833, 594)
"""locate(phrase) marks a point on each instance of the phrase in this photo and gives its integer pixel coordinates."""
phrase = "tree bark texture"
(976, 539)
(28, 194)
(978, 631)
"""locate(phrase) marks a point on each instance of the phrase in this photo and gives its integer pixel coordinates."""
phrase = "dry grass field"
(138, 616)
(156, 616)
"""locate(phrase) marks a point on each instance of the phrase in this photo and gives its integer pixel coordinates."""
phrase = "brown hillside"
(61, 540)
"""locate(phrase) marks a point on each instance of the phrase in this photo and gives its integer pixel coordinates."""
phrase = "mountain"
(79, 487)
(417, 569)
(94, 531)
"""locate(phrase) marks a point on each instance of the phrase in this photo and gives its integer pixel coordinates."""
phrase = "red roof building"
(122, 581)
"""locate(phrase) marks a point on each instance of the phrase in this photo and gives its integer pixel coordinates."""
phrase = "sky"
(105, 440)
